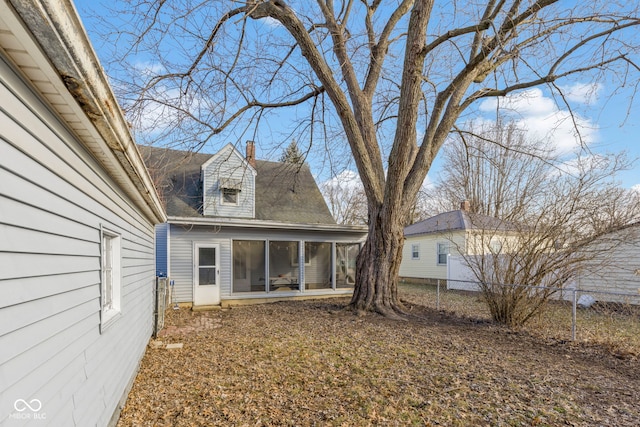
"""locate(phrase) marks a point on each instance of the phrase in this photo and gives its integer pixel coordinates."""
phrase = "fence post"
(438, 295)
(155, 307)
(574, 310)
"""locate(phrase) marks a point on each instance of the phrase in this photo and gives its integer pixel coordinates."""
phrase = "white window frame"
(415, 251)
(110, 277)
(438, 253)
(236, 193)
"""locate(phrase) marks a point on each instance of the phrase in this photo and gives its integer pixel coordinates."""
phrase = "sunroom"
(321, 265)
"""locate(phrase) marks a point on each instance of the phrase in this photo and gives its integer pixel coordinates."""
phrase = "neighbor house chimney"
(251, 153)
(465, 206)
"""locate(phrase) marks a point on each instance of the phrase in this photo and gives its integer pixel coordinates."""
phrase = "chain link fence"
(600, 317)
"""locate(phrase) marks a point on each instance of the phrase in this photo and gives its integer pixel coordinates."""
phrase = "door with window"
(206, 282)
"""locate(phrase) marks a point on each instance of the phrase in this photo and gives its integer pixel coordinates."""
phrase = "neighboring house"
(431, 246)
(243, 230)
(615, 269)
(77, 216)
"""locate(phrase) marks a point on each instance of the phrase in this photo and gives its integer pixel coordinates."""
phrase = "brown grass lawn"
(312, 363)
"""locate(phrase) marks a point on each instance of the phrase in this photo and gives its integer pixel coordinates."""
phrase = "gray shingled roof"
(456, 220)
(284, 192)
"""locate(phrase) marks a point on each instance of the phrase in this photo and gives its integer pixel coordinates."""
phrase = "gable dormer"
(228, 181)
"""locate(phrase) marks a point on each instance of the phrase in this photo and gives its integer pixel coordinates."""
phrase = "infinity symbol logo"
(22, 405)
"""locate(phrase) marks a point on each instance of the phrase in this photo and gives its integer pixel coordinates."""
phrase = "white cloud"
(149, 69)
(530, 102)
(543, 120)
(271, 22)
(346, 179)
(576, 165)
(636, 188)
(583, 93)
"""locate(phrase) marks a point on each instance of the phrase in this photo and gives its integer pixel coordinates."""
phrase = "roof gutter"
(248, 223)
(56, 27)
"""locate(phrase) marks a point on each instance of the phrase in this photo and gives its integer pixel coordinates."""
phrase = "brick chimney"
(251, 153)
(465, 206)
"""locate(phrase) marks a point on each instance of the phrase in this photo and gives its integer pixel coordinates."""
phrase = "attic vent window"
(230, 188)
(231, 184)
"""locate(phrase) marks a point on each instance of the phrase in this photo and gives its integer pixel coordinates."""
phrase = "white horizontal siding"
(54, 199)
(426, 266)
(616, 270)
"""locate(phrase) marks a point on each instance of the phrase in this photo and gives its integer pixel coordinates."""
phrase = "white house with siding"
(435, 247)
(77, 216)
(242, 230)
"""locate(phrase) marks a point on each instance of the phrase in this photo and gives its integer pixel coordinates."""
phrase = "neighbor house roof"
(284, 192)
(458, 220)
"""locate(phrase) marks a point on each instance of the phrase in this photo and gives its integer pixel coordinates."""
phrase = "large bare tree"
(393, 76)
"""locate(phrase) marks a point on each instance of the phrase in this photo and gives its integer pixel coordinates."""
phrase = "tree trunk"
(378, 265)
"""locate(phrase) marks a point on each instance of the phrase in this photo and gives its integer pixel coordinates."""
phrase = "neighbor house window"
(415, 251)
(495, 245)
(110, 291)
(443, 251)
(249, 266)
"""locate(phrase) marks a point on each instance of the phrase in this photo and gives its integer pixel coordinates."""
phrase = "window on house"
(495, 245)
(230, 191)
(443, 251)
(346, 254)
(110, 291)
(317, 270)
(307, 259)
(249, 266)
(230, 196)
(415, 251)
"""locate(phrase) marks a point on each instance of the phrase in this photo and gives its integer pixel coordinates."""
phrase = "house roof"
(458, 220)
(47, 43)
(284, 192)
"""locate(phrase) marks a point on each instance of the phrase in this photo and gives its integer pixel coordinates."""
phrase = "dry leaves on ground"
(312, 363)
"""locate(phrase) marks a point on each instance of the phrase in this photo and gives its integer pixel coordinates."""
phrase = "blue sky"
(607, 119)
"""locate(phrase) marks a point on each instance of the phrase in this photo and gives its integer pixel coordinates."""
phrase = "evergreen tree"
(292, 154)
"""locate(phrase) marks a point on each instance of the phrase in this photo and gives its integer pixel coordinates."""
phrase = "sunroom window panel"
(284, 269)
(346, 254)
(249, 266)
(317, 270)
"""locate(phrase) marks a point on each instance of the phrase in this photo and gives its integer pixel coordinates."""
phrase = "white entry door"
(206, 275)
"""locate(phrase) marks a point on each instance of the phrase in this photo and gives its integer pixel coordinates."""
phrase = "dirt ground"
(312, 363)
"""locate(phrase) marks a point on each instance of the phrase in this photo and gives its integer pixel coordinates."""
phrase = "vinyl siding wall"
(182, 264)
(54, 198)
(426, 266)
(615, 270)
